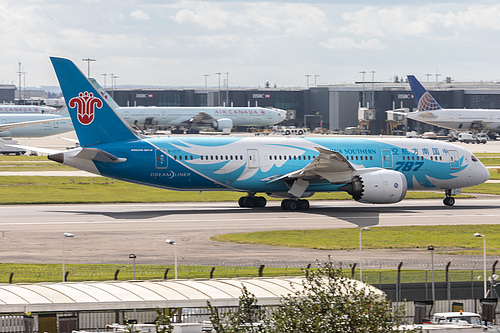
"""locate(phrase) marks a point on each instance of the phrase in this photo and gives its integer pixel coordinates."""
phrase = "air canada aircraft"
(26, 124)
(11, 108)
(377, 171)
(193, 119)
(429, 111)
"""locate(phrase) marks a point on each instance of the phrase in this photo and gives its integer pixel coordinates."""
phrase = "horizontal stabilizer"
(98, 155)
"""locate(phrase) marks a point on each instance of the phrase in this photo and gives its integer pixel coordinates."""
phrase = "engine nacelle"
(378, 187)
(223, 123)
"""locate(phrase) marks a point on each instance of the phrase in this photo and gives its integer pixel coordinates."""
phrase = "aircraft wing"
(201, 118)
(397, 112)
(328, 165)
(6, 127)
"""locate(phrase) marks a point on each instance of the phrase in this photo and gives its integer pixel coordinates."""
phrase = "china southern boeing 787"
(371, 170)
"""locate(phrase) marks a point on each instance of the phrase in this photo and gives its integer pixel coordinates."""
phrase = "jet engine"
(223, 123)
(378, 187)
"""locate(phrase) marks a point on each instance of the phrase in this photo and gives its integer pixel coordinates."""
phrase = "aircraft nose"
(486, 174)
(282, 113)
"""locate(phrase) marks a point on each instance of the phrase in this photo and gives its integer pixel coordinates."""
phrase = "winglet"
(423, 99)
(94, 120)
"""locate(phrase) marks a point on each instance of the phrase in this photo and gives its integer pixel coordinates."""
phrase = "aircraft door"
(253, 158)
(454, 160)
(161, 159)
(387, 159)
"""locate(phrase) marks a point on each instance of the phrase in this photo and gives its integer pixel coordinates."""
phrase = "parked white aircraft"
(192, 119)
(34, 124)
(430, 112)
(11, 108)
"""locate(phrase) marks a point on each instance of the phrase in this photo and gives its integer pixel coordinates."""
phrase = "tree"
(328, 301)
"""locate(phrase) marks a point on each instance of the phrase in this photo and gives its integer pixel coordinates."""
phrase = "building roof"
(120, 295)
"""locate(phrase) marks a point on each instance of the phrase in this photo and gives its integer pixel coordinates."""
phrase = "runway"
(108, 233)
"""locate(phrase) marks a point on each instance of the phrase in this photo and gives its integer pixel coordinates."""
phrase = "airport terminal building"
(332, 107)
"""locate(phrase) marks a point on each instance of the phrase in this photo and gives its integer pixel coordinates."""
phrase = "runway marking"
(350, 218)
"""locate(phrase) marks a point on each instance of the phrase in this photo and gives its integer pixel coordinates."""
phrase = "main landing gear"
(295, 204)
(252, 201)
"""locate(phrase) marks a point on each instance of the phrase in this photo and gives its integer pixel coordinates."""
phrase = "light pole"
(66, 234)
(206, 76)
(431, 248)
(227, 88)
(104, 80)
(477, 234)
(373, 90)
(172, 242)
(363, 98)
(361, 253)
(218, 93)
(307, 79)
(133, 256)
(88, 60)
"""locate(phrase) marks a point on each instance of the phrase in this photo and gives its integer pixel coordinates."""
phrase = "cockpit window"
(474, 158)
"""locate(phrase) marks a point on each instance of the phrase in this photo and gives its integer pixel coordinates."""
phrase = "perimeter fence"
(375, 272)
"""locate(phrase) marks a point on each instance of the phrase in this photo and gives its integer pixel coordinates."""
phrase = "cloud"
(287, 19)
(207, 15)
(436, 22)
(344, 43)
(139, 15)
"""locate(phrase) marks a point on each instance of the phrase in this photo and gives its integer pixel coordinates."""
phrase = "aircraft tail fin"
(94, 120)
(104, 93)
(423, 99)
(64, 112)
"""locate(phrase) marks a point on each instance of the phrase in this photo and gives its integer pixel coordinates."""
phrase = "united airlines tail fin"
(423, 99)
(93, 118)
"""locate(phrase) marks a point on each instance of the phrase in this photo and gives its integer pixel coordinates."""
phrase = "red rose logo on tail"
(86, 104)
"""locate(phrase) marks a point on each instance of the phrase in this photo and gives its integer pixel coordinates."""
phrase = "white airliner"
(16, 109)
(192, 119)
(34, 124)
(429, 111)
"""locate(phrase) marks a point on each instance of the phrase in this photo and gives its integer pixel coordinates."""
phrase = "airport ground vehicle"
(291, 130)
(7, 149)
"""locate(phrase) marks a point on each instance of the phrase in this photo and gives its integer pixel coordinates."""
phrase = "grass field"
(456, 240)
(50, 190)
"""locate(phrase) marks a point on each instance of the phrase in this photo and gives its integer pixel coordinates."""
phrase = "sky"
(177, 43)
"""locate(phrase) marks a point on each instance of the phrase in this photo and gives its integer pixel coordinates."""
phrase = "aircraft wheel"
(285, 204)
(241, 202)
(304, 204)
(293, 205)
(260, 202)
(449, 201)
(249, 201)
